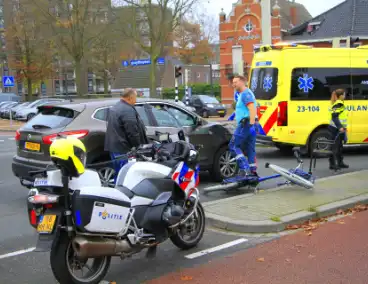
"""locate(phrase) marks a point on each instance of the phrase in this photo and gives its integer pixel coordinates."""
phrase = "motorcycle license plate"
(40, 182)
(46, 225)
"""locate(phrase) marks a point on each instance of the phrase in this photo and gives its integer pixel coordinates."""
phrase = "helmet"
(69, 154)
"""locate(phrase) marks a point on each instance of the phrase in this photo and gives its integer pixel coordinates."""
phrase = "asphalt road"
(32, 267)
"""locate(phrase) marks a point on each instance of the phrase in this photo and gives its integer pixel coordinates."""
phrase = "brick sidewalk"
(270, 211)
(335, 253)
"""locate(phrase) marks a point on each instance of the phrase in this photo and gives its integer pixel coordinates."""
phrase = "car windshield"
(52, 117)
(209, 100)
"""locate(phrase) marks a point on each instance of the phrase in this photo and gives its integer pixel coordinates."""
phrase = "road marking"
(18, 252)
(220, 247)
(1, 140)
(11, 138)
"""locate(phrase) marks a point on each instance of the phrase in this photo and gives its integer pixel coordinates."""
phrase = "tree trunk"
(106, 84)
(152, 77)
(78, 77)
(29, 91)
(106, 77)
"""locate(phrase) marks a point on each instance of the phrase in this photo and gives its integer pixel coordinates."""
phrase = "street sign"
(161, 61)
(141, 62)
(125, 63)
(8, 81)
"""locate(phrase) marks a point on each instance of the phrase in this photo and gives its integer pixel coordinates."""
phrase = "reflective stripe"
(239, 156)
(252, 165)
(342, 114)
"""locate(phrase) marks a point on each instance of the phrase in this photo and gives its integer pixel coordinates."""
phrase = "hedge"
(197, 89)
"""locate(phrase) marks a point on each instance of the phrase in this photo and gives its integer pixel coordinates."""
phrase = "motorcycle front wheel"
(68, 269)
(191, 232)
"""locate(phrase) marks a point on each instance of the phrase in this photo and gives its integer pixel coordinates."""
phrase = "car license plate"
(221, 111)
(32, 146)
(46, 224)
(40, 182)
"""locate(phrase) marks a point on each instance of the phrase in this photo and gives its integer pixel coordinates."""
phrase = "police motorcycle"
(83, 224)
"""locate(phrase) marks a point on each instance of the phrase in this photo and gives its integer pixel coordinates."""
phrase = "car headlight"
(210, 105)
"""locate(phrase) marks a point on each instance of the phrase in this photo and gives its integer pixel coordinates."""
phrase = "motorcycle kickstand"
(151, 252)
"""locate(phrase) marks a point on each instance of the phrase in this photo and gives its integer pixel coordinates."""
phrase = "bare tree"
(209, 23)
(151, 24)
(107, 54)
(192, 45)
(76, 26)
(31, 54)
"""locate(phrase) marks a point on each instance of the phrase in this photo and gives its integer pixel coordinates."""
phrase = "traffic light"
(178, 71)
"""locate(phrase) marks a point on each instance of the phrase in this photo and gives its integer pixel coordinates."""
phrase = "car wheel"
(30, 116)
(107, 176)
(205, 114)
(225, 165)
(222, 115)
(317, 140)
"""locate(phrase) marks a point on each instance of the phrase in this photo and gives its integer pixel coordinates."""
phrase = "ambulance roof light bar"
(279, 46)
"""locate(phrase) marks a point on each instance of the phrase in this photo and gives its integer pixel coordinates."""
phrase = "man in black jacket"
(125, 128)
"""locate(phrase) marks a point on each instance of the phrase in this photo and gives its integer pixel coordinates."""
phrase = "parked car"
(5, 110)
(182, 104)
(207, 106)
(87, 121)
(16, 108)
(27, 113)
(12, 97)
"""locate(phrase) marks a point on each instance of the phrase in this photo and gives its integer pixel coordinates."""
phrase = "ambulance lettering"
(357, 108)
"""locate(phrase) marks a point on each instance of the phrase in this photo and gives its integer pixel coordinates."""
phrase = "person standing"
(338, 127)
(245, 133)
(125, 128)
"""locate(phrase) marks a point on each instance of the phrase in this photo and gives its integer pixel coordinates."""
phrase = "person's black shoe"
(342, 165)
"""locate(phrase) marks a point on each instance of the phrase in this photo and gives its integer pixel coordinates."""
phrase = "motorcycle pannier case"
(100, 210)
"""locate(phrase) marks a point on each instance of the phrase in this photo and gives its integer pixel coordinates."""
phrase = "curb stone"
(269, 226)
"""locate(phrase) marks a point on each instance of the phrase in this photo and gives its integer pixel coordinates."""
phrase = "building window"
(318, 83)
(248, 27)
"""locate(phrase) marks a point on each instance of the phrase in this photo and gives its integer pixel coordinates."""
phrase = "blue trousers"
(244, 140)
(117, 164)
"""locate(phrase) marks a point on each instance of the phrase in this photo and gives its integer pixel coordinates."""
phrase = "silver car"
(27, 113)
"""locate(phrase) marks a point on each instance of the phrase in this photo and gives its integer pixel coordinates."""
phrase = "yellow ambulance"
(293, 85)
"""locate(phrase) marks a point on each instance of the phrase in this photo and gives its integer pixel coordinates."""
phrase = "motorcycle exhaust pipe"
(87, 247)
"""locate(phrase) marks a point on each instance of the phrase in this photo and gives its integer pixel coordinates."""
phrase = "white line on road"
(1, 140)
(11, 138)
(220, 247)
(18, 252)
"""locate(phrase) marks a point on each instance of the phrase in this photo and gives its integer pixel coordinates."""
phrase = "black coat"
(125, 129)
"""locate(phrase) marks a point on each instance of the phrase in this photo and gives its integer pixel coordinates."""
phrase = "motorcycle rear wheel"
(178, 237)
(63, 262)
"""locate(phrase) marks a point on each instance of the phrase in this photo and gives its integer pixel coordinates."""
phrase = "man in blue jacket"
(245, 134)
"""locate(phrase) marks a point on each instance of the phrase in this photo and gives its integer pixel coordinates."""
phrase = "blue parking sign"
(8, 81)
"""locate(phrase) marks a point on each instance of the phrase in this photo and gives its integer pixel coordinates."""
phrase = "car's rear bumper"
(21, 167)
(216, 112)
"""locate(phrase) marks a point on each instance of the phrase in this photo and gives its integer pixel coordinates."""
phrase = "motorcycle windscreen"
(186, 178)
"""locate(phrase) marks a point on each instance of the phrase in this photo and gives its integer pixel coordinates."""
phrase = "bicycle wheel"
(294, 178)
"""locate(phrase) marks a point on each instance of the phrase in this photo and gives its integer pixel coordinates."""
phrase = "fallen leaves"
(186, 278)
(261, 259)
(312, 225)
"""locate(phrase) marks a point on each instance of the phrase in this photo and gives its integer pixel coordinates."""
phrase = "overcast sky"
(315, 7)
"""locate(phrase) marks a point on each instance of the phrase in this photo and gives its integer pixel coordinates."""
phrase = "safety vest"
(341, 111)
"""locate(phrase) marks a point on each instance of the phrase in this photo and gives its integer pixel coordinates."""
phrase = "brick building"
(246, 27)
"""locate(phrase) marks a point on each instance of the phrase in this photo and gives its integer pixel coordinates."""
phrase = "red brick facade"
(236, 32)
